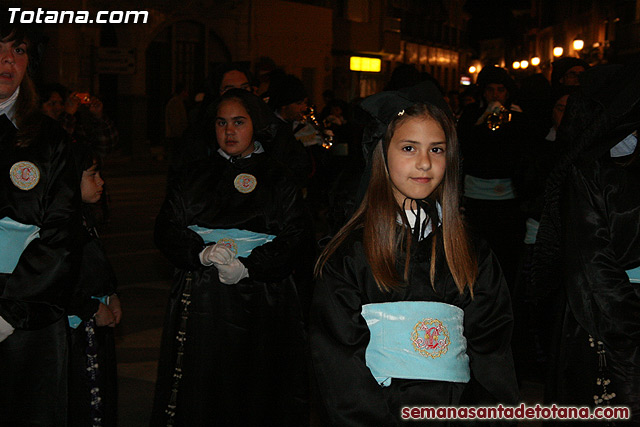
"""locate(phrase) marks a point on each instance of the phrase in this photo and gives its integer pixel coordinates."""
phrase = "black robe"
(495, 154)
(600, 208)
(244, 359)
(96, 279)
(33, 358)
(339, 337)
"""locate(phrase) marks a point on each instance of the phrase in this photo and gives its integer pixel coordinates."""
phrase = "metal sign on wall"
(114, 60)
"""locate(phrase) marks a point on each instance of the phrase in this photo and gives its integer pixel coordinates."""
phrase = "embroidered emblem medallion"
(24, 175)
(245, 183)
(230, 244)
(430, 338)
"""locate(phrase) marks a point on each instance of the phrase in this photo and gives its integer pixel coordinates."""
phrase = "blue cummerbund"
(241, 242)
(532, 227)
(416, 340)
(14, 238)
(488, 189)
(634, 275)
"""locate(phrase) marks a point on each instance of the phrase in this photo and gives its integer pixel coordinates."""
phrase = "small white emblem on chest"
(24, 175)
(245, 183)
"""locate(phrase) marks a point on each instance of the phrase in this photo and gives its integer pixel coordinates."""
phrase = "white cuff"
(5, 329)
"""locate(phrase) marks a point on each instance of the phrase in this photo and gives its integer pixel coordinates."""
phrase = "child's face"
(234, 129)
(416, 158)
(91, 185)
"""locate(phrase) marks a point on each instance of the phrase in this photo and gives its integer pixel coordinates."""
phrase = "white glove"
(5, 329)
(215, 254)
(232, 273)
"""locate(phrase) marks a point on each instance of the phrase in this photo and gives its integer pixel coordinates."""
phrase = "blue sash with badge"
(14, 238)
(416, 340)
(240, 242)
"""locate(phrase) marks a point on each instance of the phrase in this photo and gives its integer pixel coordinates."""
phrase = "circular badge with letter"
(24, 175)
(230, 244)
(430, 338)
(245, 183)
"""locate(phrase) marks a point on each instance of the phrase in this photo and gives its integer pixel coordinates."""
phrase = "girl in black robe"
(233, 343)
(406, 254)
(94, 310)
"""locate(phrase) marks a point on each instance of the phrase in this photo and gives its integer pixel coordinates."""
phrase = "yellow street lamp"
(516, 65)
(472, 69)
(535, 61)
(578, 44)
(524, 64)
(557, 51)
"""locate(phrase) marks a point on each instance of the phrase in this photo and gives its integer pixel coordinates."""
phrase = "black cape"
(32, 298)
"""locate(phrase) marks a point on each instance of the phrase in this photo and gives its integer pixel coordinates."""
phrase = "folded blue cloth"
(14, 238)
(240, 242)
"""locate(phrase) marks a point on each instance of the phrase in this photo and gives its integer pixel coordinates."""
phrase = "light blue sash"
(416, 340)
(241, 242)
(14, 238)
(634, 275)
(488, 189)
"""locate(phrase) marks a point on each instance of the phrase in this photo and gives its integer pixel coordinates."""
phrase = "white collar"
(411, 218)
(551, 136)
(8, 106)
(257, 149)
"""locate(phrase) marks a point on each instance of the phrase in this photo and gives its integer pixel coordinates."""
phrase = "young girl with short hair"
(409, 310)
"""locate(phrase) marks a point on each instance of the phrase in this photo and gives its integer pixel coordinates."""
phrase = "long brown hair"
(379, 211)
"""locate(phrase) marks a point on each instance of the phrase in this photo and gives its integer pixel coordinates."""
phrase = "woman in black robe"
(39, 219)
(233, 344)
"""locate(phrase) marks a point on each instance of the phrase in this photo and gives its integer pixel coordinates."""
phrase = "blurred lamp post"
(535, 61)
(557, 51)
(524, 64)
(516, 65)
(578, 44)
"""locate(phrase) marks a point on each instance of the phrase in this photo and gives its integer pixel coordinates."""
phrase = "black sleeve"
(275, 260)
(179, 244)
(488, 325)
(96, 279)
(339, 338)
(602, 234)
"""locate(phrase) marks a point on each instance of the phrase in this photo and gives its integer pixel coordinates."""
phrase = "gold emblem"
(24, 175)
(245, 183)
(430, 338)
(229, 243)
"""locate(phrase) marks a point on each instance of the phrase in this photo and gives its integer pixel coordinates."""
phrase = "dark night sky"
(493, 18)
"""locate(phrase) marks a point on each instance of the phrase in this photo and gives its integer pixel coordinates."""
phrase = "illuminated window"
(362, 63)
